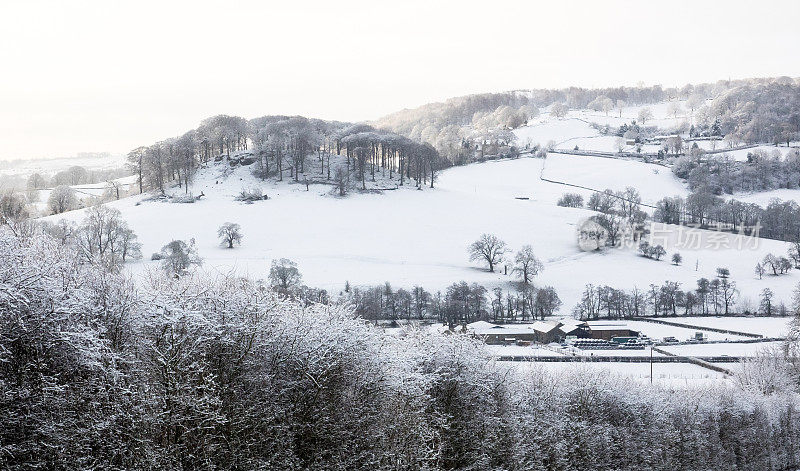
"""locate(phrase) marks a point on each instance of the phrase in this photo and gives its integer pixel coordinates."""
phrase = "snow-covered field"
(24, 168)
(723, 349)
(576, 129)
(659, 331)
(413, 237)
(654, 182)
(671, 375)
(773, 327)
(86, 193)
(765, 197)
(529, 351)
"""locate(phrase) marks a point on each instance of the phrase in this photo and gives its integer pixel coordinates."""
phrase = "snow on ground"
(619, 352)
(545, 129)
(576, 128)
(722, 349)
(413, 237)
(654, 182)
(671, 375)
(86, 193)
(661, 116)
(772, 327)
(659, 331)
(741, 154)
(765, 197)
(24, 168)
(527, 351)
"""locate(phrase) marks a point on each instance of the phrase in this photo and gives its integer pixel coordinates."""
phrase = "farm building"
(539, 331)
(609, 331)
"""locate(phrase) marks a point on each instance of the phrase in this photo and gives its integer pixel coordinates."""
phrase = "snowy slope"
(412, 237)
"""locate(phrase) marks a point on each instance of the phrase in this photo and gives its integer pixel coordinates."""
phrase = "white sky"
(111, 75)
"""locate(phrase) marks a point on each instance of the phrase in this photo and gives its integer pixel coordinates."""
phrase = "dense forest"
(192, 372)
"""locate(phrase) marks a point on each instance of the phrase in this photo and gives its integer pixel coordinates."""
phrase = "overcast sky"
(112, 75)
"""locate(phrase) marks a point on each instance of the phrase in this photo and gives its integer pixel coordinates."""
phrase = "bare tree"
(526, 264)
(230, 233)
(12, 208)
(488, 248)
(645, 114)
(559, 110)
(760, 270)
(674, 108)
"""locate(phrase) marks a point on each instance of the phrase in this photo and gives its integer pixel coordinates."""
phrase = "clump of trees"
(104, 237)
(461, 303)
(621, 218)
(571, 200)
(285, 147)
(177, 257)
(62, 199)
(654, 251)
(777, 265)
(720, 173)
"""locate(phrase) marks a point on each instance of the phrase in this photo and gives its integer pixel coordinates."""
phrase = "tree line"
(762, 171)
(459, 304)
(463, 128)
(779, 220)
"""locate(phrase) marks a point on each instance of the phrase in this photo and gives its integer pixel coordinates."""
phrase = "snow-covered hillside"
(410, 237)
(24, 168)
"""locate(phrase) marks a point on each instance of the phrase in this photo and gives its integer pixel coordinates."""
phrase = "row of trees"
(74, 175)
(779, 220)
(461, 303)
(197, 373)
(717, 297)
(720, 173)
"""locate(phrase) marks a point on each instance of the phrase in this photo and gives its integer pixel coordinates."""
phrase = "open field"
(422, 238)
(669, 375)
(774, 327)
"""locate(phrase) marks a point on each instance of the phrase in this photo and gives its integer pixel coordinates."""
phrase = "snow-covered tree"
(284, 276)
(178, 256)
(488, 248)
(62, 199)
(645, 115)
(230, 233)
(526, 264)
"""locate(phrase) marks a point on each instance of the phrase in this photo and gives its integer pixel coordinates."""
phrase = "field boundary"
(697, 327)
(702, 362)
(705, 362)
